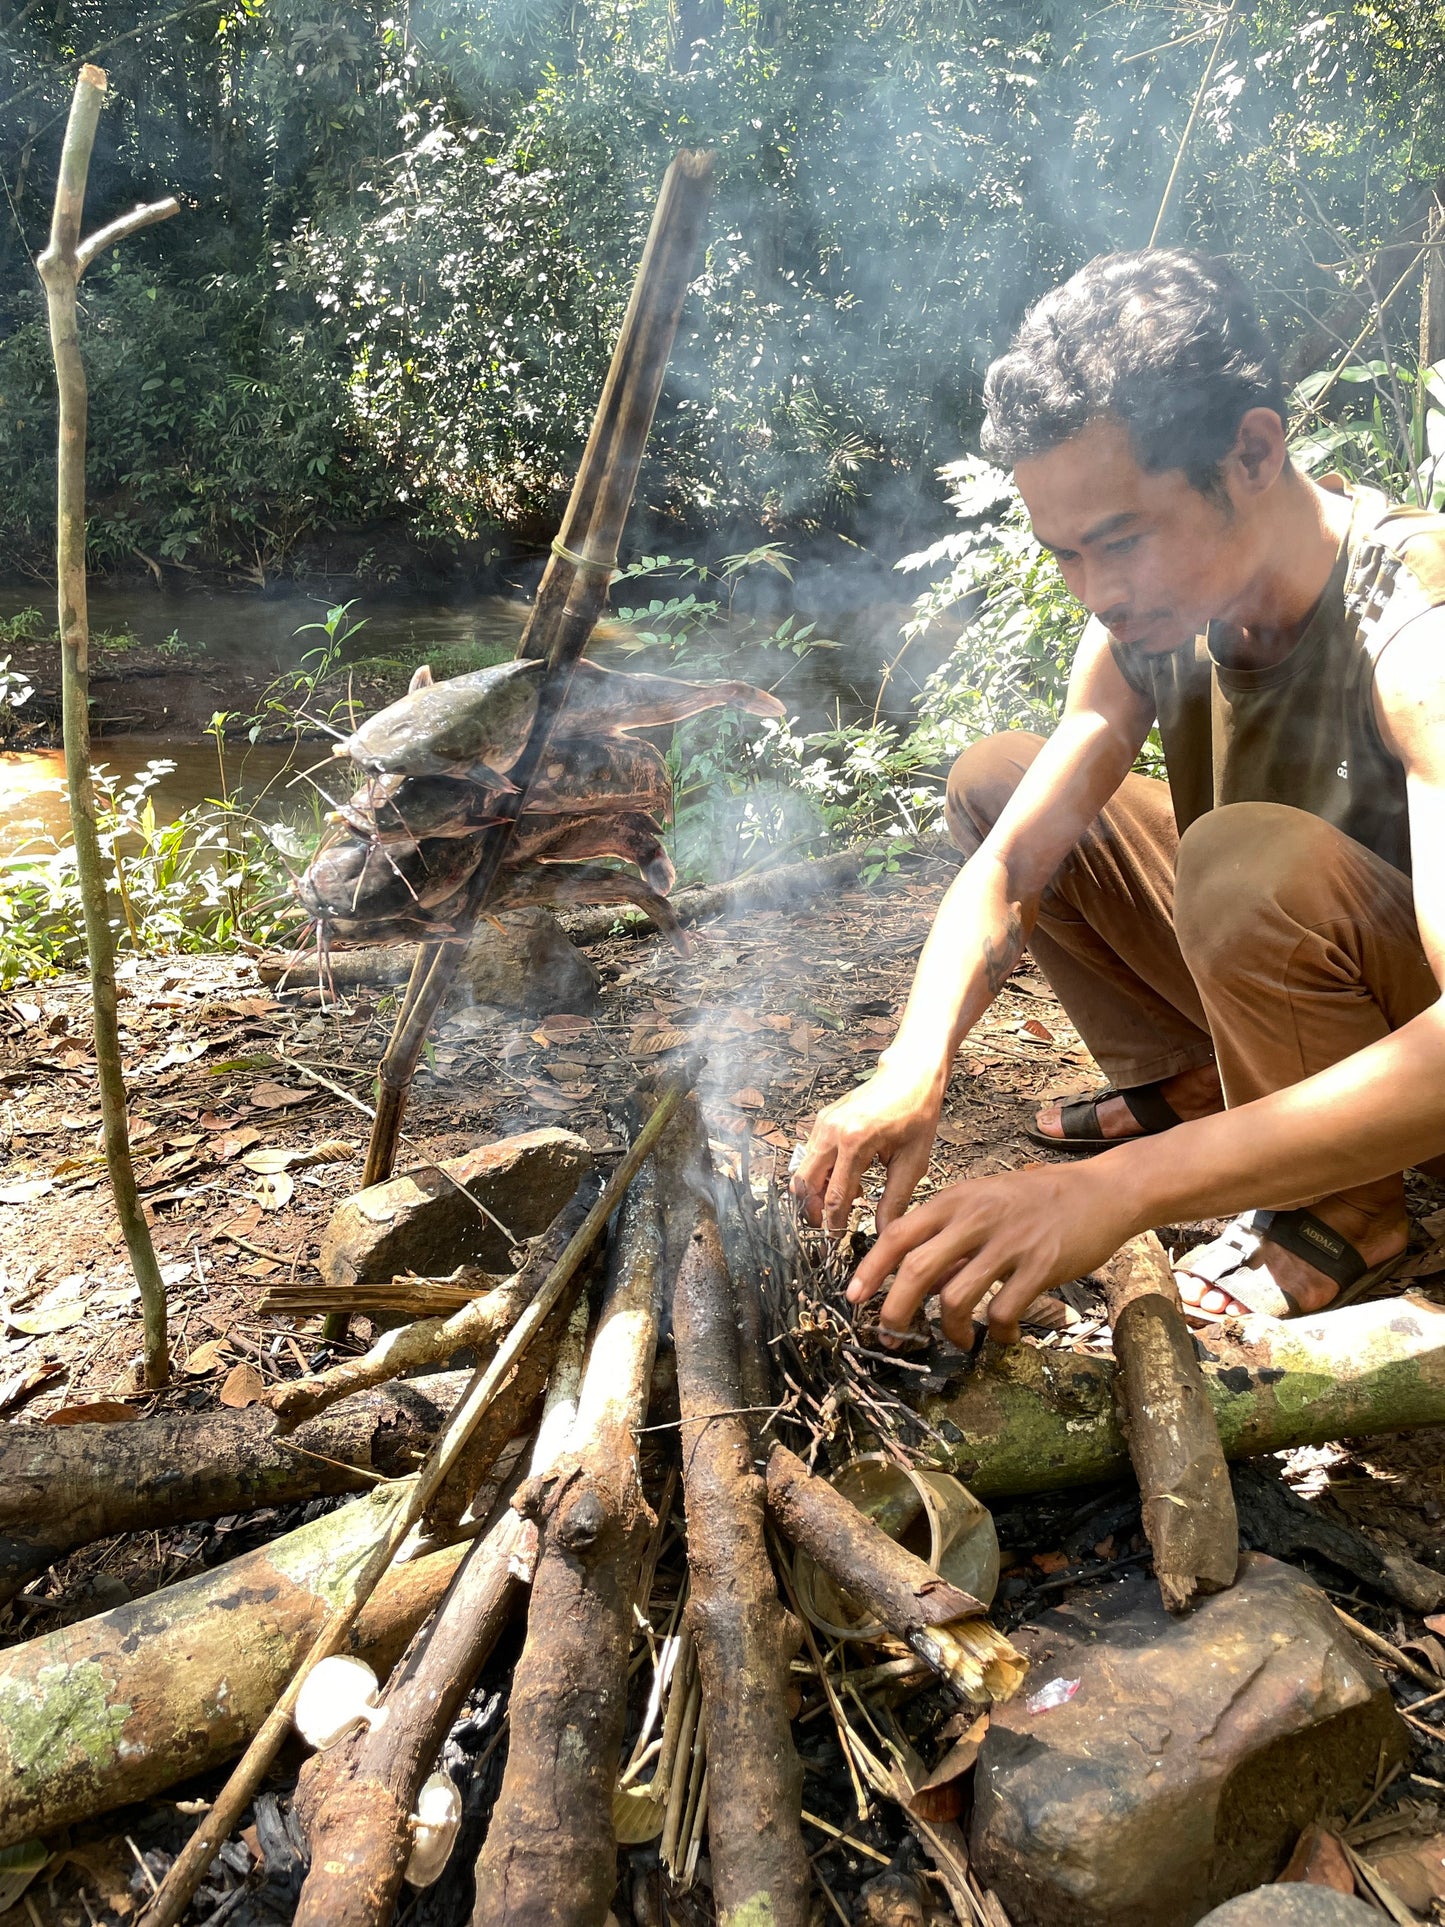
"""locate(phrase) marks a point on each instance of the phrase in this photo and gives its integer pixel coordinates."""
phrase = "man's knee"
(983, 779)
(1239, 866)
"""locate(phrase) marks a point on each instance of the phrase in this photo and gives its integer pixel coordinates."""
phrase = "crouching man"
(1253, 952)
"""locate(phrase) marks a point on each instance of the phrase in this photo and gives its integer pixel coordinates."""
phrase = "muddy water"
(260, 634)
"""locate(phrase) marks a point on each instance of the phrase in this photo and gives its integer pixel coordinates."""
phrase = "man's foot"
(1377, 1238)
(1192, 1093)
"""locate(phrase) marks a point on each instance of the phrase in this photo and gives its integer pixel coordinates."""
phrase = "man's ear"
(1259, 452)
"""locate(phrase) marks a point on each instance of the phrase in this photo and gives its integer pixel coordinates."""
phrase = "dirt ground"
(791, 1009)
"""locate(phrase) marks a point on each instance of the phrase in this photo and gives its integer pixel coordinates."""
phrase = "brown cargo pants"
(1264, 937)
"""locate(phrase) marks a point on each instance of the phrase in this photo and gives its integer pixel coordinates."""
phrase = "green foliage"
(388, 305)
(1383, 423)
(197, 883)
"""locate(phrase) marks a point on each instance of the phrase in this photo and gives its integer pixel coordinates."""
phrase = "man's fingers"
(914, 1228)
(810, 1181)
(960, 1297)
(1009, 1304)
(908, 1165)
(849, 1164)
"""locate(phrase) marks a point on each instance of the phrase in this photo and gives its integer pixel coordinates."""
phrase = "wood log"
(550, 1854)
(745, 1640)
(356, 1799)
(123, 1705)
(1168, 1424)
(944, 1625)
(1026, 1419)
(63, 1486)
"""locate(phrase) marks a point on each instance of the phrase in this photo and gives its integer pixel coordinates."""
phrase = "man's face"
(1148, 554)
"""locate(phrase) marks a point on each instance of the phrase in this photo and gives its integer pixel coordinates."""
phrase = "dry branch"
(1166, 1418)
(67, 1486)
(1026, 1419)
(60, 267)
(479, 1326)
(745, 1640)
(126, 1704)
(550, 1855)
(783, 888)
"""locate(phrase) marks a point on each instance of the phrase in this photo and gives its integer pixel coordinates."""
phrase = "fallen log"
(478, 1327)
(550, 1853)
(123, 1705)
(745, 1640)
(63, 1486)
(356, 1800)
(1168, 1424)
(1274, 1519)
(1025, 1419)
(944, 1626)
(781, 888)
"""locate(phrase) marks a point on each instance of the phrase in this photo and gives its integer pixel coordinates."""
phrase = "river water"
(260, 634)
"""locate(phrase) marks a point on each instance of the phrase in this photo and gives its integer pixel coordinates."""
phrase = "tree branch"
(122, 227)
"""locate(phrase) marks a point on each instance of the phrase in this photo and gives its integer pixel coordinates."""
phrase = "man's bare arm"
(977, 938)
(1373, 1113)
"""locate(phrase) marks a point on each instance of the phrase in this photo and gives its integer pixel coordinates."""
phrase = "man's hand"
(1032, 1228)
(892, 1118)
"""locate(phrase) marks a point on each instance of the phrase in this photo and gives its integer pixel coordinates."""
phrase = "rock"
(523, 960)
(1152, 1768)
(892, 1900)
(421, 1221)
(1293, 1907)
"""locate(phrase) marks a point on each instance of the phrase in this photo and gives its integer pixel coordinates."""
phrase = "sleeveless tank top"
(1302, 731)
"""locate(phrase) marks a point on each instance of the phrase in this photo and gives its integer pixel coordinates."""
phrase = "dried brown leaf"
(244, 1386)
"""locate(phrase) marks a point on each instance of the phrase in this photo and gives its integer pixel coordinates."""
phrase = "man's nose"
(1104, 591)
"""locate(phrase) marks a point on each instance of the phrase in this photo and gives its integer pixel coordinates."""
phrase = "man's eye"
(1123, 545)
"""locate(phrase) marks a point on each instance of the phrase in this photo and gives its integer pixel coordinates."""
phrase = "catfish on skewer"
(477, 725)
(559, 885)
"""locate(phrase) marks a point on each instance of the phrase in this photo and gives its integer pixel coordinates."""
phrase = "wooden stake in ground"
(1173, 1440)
(745, 1639)
(571, 595)
(61, 266)
(409, 1503)
(550, 1855)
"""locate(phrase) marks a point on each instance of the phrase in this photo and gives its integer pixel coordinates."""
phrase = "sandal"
(1152, 1111)
(1299, 1232)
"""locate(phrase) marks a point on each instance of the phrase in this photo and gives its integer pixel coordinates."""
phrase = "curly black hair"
(1165, 342)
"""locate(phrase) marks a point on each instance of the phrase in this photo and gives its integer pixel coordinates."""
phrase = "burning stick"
(744, 1638)
(1173, 1440)
(550, 1854)
(944, 1626)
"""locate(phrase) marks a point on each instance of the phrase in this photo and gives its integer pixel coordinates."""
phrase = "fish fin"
(422, 678)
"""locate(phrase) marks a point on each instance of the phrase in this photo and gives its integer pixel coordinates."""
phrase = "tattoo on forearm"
(999, 958)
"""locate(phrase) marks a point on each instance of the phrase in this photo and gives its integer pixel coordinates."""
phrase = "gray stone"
(1293, 1906)
(422, 1220)
(523, 960)
(1153, 1767)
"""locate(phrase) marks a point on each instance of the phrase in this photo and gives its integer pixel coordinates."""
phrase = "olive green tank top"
(1303, 731)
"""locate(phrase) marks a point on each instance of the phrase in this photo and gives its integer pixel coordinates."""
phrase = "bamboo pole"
(411, 1500)
(572, 594)
(60, 267)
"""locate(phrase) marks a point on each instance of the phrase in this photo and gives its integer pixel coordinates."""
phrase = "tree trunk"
(126, 1704)
(63, 1486)
(1029, 1420)
(550, 1854)
(745, 1639)
(60, 267)
(1168, 1422)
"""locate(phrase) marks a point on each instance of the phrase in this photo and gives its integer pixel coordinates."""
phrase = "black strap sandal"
(1224, 1264)
(1080, 1118)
